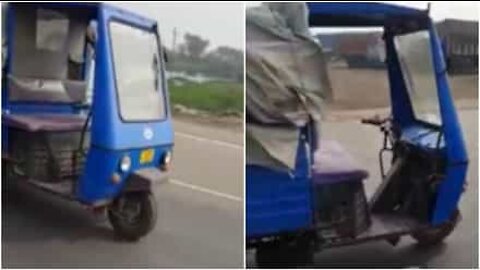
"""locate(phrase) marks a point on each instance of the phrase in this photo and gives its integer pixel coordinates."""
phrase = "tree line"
(192, 57)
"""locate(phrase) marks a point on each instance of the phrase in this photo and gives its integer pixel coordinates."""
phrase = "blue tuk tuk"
(321, 203)
(85, 112)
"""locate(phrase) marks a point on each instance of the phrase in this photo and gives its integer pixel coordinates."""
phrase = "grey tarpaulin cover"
(286, 81)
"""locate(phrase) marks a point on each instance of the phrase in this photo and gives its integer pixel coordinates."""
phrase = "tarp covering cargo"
(286, 82)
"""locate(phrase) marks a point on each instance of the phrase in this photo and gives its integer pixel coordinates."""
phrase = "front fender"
(144, 179)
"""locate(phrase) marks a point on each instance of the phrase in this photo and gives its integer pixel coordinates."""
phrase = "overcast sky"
(221, 23)
(440, 10)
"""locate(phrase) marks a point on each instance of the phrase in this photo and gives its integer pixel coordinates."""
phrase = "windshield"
(415, 58)
(137, 69)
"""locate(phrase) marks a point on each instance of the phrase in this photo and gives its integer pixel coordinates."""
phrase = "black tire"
(142, 223)
(436, 235)
(280, 254)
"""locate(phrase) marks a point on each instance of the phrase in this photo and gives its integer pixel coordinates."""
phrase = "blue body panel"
(102, 163)
(401, 107)
(111, 138)
(108, 129)
(357, 14)
(452, 186)
(278, 203)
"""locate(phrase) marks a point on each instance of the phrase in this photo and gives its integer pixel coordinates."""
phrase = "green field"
(218, 98)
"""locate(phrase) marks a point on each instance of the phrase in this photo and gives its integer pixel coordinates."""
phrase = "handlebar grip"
(365, 121)
(373, 121)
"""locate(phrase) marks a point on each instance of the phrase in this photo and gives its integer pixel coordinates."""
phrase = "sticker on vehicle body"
(148, 133)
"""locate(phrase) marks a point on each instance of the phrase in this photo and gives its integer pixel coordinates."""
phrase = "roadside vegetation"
(214, 97)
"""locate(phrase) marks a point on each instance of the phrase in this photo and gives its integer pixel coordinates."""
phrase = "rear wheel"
(435, 235)
(282, 254)
(133, 215)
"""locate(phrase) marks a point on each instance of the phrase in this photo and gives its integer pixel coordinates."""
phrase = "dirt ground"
(355, 89)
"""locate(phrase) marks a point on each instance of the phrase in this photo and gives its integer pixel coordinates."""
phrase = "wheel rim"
(129, 210)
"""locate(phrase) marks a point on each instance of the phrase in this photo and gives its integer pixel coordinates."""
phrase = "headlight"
(125, 164)
(167, 159)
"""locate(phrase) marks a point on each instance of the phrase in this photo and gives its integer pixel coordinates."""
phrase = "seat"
(44, 122)
(46, 90)
(333, 164)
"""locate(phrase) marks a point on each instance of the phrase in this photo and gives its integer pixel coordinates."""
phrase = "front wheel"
(436, 235)
(133, 215)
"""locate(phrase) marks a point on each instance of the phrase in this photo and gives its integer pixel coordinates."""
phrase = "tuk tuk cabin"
(321, 202)
(84, 105)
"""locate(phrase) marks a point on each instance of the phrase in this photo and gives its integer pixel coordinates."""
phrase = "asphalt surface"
(200, 216)
(460, 250)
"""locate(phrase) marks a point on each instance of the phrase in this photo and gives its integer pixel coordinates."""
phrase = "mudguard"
(144, 179)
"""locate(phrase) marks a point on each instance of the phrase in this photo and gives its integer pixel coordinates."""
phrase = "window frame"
(408, 85)
(162, 86)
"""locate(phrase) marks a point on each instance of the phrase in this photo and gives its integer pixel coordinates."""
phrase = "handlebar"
(376, 120)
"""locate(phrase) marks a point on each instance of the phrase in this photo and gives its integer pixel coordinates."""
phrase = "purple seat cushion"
(333, 164)
(44, 122)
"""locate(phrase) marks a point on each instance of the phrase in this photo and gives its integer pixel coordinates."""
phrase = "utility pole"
(174, 39)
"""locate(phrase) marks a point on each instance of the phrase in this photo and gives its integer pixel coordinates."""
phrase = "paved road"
(459, 251)
(200, 220)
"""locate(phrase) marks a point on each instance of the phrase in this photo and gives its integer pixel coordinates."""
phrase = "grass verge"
(219, 98)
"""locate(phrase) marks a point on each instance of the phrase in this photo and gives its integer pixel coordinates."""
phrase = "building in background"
(460, 44)
(366, 50)
(362, 50)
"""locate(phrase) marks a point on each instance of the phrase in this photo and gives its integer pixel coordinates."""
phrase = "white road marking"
(218, 142)
(205, 190)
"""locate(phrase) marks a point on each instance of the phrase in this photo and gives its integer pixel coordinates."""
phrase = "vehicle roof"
(359, 14)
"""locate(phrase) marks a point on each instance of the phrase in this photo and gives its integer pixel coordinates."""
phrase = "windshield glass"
(415, 58)
(137, 70)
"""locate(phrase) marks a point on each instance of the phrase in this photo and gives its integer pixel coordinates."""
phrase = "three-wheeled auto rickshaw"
(321, 202)
(85, 111)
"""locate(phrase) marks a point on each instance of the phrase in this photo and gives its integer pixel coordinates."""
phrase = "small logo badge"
(148, 133)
